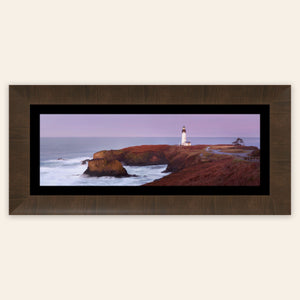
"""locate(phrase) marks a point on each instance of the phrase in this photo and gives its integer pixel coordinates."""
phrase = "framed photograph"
(150, 150)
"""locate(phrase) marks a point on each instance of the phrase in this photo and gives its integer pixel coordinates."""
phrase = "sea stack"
(103, 167)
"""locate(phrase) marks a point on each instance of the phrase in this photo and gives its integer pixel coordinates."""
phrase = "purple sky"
(149, 125)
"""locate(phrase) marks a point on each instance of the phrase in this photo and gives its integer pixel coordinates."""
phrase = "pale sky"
(143, 125)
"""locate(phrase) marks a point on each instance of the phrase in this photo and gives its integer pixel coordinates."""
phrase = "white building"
(184, 142)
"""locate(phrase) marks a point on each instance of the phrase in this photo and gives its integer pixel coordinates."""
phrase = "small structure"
(184, 142)
(238, 142)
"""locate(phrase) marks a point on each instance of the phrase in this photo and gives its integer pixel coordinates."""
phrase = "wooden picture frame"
(278, 202)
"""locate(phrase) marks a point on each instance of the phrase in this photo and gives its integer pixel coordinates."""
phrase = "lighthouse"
(183, 138)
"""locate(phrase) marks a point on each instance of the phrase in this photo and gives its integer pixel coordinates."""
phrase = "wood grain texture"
(278, 202)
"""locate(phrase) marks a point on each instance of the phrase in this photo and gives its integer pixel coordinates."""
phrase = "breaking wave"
(68, 172)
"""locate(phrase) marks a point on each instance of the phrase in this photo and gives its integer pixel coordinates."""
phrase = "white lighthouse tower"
(183, 138)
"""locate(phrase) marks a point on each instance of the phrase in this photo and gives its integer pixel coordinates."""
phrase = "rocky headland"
(199, 165)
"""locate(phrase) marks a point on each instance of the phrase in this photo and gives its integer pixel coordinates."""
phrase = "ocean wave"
(69, 173)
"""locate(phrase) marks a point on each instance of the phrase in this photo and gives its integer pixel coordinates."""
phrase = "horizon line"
(146, 136)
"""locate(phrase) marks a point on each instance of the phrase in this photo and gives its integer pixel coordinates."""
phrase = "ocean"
(68, 170)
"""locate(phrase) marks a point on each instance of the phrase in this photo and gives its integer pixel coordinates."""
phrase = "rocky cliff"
(104, 167)
(194, 165)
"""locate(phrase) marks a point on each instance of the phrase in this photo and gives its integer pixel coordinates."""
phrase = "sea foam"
(69, 172)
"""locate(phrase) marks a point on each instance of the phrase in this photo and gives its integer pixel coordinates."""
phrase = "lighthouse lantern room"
(184, 142)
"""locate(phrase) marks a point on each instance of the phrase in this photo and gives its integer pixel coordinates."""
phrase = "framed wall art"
(150, 150)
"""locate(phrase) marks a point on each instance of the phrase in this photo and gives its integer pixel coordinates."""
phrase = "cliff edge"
(206, 165)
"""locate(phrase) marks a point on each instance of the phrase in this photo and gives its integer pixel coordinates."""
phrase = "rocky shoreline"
(195, 165)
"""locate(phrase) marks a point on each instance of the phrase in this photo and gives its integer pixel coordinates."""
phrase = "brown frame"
(277, 203)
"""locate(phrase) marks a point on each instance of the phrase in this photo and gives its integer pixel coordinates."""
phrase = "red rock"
(189, 165)
(225, 172)
(103, 167)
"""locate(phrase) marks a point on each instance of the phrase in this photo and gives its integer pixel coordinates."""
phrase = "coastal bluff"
(213, 165)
